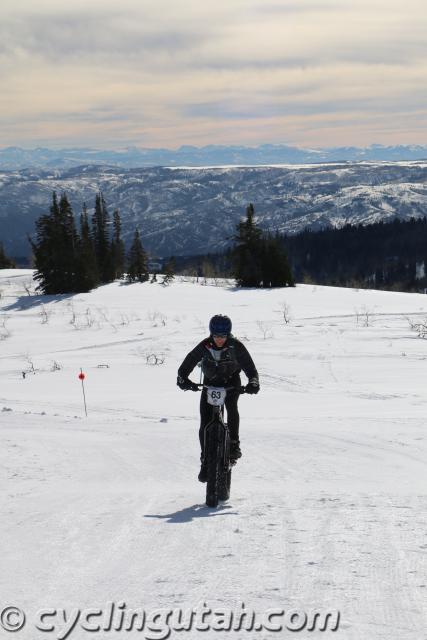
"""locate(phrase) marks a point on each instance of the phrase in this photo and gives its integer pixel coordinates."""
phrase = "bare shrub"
(29, 287)
(45, 314)
(155, 358)
(103, 314)
(4, 331)
(420, 328)
(156, 318)
(72, 311)
(30, 364)
(363, 316)
(285, 311)
(265, 329)
(89, 317)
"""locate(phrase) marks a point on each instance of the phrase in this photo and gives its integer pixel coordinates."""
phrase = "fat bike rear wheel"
(225, 483)
(225, 474)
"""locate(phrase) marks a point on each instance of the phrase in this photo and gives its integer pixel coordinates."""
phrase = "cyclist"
(222, 358)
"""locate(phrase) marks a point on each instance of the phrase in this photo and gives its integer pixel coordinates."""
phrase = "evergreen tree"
(65, 261)
(5, 262)
(101, 239)
(117, 248)
(259, 259)
(248, 251)
(169, 271)
(137, 269)
(55, 249)
(276, 271)
(88, 275)
(208, 269)
(44, 250)
(68, 243)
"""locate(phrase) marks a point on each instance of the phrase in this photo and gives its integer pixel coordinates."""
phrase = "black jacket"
(234, 357)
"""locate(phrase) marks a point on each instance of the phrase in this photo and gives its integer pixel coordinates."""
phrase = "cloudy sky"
(164, 73)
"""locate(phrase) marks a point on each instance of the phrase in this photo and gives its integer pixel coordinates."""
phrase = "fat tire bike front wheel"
(218, 463)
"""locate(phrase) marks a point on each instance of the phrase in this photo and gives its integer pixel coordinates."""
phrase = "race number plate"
(216, 396)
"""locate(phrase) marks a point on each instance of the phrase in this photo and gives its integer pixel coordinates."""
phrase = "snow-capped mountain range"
(136, 157)
(183, 211)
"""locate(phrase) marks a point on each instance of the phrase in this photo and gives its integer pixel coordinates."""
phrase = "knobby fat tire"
(213, 464)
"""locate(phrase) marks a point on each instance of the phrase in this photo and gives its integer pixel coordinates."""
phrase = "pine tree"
(117, 247)
(276, 271)
(169, 271)
(247, 254)
(55, 249)
(47, 272)
(101, 239)
(259, 259)
(137, 269)
(64, 261)
(68, 244)
(88, 275)
(5, 262)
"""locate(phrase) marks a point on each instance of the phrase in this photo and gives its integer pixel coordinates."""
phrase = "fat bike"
(217, 447)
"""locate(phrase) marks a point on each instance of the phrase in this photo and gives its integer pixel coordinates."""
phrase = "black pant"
(233, 418)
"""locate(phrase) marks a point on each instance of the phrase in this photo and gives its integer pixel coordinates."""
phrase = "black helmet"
(220, 325)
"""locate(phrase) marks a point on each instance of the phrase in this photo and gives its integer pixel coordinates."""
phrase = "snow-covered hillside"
(185, 211)
(328, 506)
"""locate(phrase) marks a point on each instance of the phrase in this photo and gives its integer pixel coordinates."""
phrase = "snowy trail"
(328, 507)
(99, 519)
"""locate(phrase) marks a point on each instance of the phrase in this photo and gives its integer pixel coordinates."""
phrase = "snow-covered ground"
(328, 505)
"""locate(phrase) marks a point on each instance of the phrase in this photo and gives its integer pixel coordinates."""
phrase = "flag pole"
(82, 377)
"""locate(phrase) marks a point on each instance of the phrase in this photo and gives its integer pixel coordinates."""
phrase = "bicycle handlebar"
(241, 389)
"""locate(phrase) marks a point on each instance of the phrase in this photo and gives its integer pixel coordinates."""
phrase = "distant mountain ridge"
(187, 211)
(211, 155)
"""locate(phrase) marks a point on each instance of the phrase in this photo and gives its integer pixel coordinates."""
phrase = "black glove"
(252, 386)
(186, 385)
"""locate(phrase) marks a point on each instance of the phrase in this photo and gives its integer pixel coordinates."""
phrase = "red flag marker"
(82, 377)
